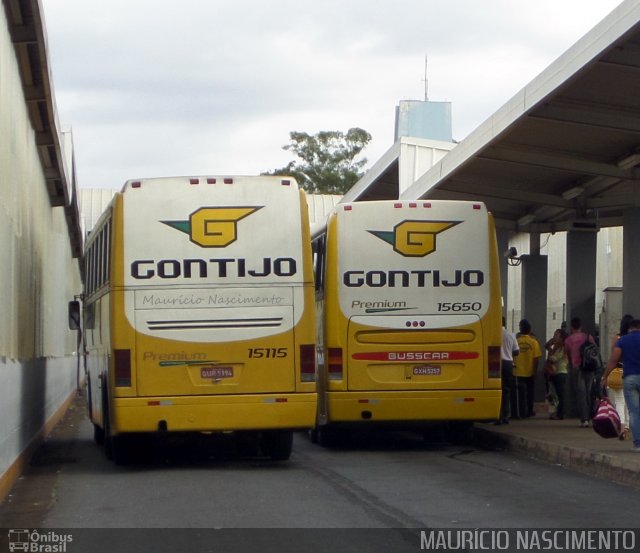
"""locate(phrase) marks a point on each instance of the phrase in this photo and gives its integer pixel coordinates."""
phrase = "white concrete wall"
(38, 277)
(608, 274)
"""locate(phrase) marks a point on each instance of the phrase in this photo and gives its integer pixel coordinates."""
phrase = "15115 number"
(267, 353)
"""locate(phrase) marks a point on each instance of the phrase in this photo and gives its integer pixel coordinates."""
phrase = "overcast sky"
(160, 88)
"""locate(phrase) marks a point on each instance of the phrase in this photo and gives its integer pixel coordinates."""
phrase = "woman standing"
(559, 369)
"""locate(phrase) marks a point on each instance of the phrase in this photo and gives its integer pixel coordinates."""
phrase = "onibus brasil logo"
(213, 227)
(414, 238)
(38, 541)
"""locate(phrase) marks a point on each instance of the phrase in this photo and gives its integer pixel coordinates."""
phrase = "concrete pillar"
(534, 306)
(582, 248)
(631, 262)
(502, 236)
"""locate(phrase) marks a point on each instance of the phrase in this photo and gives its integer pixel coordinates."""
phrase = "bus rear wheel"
(117, 448)
(277, 444)
(98, 434)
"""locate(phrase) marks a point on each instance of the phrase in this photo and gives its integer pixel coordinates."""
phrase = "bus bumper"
(214, 414)
(445, 405)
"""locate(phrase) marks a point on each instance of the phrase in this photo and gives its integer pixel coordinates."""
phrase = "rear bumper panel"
(414, 406)
(213, 414)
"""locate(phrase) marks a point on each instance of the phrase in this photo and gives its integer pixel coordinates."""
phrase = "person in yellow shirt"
(525, 368)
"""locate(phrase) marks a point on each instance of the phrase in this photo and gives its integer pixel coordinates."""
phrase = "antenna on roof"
(426, 81)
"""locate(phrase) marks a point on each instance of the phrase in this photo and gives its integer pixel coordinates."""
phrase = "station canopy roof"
(563, 153)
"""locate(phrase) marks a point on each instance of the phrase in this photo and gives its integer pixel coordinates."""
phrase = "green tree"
(328, 163)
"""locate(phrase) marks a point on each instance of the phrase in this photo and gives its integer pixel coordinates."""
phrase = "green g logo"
(213, 227)
(414, 238)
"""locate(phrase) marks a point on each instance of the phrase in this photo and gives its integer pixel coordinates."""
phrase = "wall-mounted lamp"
(512, 257)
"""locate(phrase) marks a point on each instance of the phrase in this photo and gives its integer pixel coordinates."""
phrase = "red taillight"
(194, 181)
(122, 367)
(494, 362)
(335, 364)
(308, 363)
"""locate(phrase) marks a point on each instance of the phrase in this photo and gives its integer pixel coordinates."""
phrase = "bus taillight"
(308, 362)
(122, 367)
(493, 355)
(335, 364)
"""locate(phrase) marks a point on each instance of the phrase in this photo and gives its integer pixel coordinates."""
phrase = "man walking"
(627, 348)
(507, 352)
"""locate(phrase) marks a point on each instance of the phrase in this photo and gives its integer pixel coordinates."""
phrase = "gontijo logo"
(213, 227)
(414, 238)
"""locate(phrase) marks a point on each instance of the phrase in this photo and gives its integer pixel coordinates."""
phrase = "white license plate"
(427, 370)
(216, 373)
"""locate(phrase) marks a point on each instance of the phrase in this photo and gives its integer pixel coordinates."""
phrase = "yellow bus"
(199, 311)
(409, 315)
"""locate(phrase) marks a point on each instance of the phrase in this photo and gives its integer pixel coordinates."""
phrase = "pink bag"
(606, 421)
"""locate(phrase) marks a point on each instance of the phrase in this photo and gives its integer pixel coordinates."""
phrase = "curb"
(600, 465)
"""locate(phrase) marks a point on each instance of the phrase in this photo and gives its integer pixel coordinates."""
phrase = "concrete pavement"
(565, 443)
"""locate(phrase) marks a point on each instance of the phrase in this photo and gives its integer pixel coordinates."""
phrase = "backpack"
(590, 360)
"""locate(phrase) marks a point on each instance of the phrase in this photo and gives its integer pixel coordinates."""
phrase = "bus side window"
(318, 262)
(90, 316)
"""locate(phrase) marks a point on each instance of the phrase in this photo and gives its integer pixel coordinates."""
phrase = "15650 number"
(459, 306)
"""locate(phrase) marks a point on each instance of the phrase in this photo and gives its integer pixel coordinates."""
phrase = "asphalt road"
(373, 480)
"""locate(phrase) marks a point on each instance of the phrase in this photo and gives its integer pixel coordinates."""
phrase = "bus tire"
(328, 436)
(277, 444)
(98, 434)
(115, 447)
(461, 432)
(312, 433)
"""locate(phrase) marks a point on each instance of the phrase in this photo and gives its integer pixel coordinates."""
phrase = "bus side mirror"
(74, 315)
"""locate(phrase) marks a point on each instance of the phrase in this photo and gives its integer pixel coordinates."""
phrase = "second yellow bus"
(409, 311)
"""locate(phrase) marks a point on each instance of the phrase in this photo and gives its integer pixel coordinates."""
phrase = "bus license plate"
(427, 370)
(216, 372)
